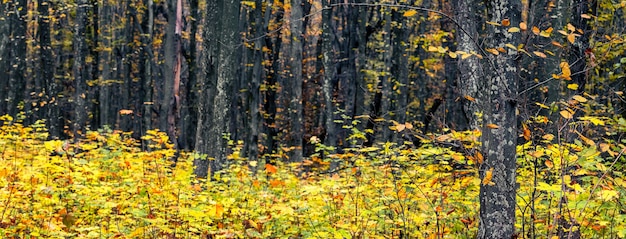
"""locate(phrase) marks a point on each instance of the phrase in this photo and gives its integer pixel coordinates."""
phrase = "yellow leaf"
(523, 26)
(566, 114)
(571, 27)
(540, 54)
(492, 126)
(548, 137)
(542, 105)
(432, 49)
(572, 86)
(566, 71)
(441, 49)
(608, 195)
(493, 23)
(514, 29)
(488, 177)
(509, 45)
(579, 98)
(452, 55)
(410, 13)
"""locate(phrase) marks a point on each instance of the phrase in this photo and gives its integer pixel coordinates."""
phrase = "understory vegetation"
(106, 186)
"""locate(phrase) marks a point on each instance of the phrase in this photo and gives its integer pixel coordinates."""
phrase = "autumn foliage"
(104, 186)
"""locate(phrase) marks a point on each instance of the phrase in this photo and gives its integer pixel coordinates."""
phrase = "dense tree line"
(272, 75)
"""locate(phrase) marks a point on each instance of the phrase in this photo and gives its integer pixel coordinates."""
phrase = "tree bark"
(221, 62)
(498, 188)
(293, 87)
(80, 69)
(471, 73)
(330, 75)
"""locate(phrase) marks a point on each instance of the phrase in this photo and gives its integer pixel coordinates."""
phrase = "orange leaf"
(408, 125)
(488, 177)
(492, 126)
(479, 157)
(276, 183)
(536, 30)
(270, 168)
(467, 97)
(219, 210)
(571, 38)
(492, 51)
(549, 164)
(540, 54)
(526, 132)
(523, 26)
(400, 127)
(506, 22)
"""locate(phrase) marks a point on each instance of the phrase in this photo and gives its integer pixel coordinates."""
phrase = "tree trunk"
(221, 63)
(498, 188)
(293, 88)
(330, 75)
(80, 69)
(13, 55)
(470, 70)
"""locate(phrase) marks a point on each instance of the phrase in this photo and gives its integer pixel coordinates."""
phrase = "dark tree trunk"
(14, 55)
(470, 70)
(209, 63)
(498, 188)
(46, 70)
(222, 67)
(330, 76)
(80, 69)
(293, 86)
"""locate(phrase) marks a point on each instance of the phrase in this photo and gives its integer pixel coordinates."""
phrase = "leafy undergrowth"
(106, 187)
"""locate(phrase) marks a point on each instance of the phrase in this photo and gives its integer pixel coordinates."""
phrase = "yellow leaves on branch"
(566, 73)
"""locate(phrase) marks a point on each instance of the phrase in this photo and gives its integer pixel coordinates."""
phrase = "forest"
(312, 119)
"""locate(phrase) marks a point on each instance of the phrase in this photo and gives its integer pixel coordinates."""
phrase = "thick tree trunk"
(80, 69)
(221, 63)
(470, 77)
(498, 188)
(293, 87)
(209, 63)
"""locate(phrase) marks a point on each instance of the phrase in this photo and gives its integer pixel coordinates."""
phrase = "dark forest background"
(272, 75)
